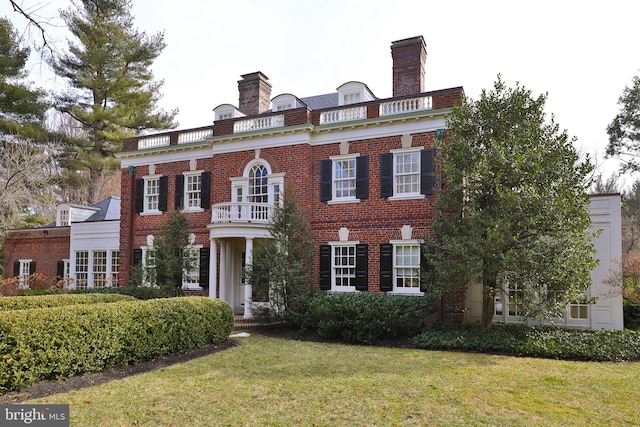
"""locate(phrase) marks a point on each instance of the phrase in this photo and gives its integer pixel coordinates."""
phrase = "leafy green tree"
(279, 271)
(172, 258)
(514, 209)
(111, 90)
(624, 130)
(22, 107)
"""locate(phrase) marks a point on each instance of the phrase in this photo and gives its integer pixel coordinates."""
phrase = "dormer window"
(63, 218)
(284, 102)
(354, 93)
(226, 112)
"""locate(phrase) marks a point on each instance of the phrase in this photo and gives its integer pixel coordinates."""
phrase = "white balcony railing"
(405, 105)
(343, 115)
(194, 136)
(153, 142)
(241, 212)
(258, 123)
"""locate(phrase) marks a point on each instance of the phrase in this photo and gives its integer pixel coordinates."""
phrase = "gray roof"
(320, 102)
(108, 210)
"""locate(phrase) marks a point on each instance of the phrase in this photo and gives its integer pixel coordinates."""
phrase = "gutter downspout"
(132, 211)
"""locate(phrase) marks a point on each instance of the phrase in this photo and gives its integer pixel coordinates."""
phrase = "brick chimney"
(255, 93)
(409, 57)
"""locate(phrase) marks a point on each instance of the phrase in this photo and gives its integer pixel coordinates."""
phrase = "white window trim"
(145, 210)
(338, 200)
(409, 242)
(405, 196)
(184, 195)
(191, 285)
(347, 289)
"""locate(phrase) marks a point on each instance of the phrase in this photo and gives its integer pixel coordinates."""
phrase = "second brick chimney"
(255, 94)
(409, 57)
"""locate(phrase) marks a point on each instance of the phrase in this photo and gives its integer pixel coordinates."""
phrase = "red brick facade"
(45, 246)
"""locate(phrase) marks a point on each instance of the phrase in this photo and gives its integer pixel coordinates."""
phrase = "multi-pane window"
(407, 268)
(82, 269)
(351, 98)
(407, 173)
(192, 190)
(344, 178)
(191, 277)
(64, 218)
(344, 267)
(258, 192)
(99, 269)
(115, 264)
(151, 194)
(24, 272)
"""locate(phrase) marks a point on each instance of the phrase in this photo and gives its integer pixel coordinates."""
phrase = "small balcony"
(241, 212)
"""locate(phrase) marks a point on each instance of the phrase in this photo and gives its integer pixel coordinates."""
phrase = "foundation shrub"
(548, 341)
(138, 292)
(57, 342)
(364, 317)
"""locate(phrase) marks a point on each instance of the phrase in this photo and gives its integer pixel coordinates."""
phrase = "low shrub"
(363, 317)
(46, 301)
(138, 292)
(57, 342)
(548, 342)
(631, 314)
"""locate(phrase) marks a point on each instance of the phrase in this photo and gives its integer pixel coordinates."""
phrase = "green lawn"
(270, 381)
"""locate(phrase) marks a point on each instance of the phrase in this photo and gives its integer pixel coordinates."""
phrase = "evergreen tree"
(624, 130)
(279, 271)
(514, 205)
(22, 108)
(172, 259)
(111, 93)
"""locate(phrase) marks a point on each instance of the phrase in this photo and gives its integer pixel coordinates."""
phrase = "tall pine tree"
(111, 89)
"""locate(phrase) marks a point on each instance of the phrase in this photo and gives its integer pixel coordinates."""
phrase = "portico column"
(213, 269)
(223, 271)
(247, 288)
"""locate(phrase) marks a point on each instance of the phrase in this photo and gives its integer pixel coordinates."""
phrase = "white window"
(151, 194)
(406, 173)
(343, 268)
(82, 269)
(24, 271)
(344, 179)
(191, 277)
(406, 268)
(192, 191)
(225, 116)
(115, 265)
(283, 107)
(351, 98)
(64, 218)
(99, 269)
(508, 302)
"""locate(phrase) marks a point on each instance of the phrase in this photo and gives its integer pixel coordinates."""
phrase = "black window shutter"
(386, 267)
(163, 189)
(426, 272)
(362, 267)
(386, 175)
(179, 199)
(362, 177)
(204, 267)
(325, 267)
(32, 267)
(60, 269)
(16, 268)
(205, 193)
(139, 198)
(427, 171)
(137, 256)
(326, 167)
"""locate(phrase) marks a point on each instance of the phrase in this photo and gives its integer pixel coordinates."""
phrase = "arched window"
(258, 188)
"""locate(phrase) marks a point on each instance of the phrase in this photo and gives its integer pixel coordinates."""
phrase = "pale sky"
(582, 53)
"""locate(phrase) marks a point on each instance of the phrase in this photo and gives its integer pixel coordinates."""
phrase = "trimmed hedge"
(138, 292)
(58, 342)
(548, 342)
(364, 317)
(58, 300)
